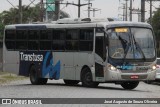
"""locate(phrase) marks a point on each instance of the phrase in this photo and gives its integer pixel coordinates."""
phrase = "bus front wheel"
(35, 80)
(130, 85)
(86, 78)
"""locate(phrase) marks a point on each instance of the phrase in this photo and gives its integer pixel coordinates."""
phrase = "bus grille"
(131, 71)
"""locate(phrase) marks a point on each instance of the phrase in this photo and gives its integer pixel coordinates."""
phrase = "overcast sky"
(109, 8)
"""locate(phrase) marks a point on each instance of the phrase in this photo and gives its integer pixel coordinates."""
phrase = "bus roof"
(104, 23)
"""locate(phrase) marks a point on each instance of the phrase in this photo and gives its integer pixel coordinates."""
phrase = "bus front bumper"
(119, 76)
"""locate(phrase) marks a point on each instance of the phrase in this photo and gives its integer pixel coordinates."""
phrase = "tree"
(156, 27)
(30, 14)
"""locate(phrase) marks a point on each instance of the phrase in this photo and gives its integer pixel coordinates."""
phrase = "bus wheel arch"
(29, 70)
(87, 78)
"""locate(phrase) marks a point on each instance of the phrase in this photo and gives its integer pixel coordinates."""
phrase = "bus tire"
(35, 80)
(71, 82)
(43, 81)
(86, 78)
(129, 85)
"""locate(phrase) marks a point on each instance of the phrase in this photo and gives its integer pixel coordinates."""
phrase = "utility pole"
(142, 10)
(94, 11)
(126, 10)
(57, 10)
(89, 7)
(79, 6)
(42, 11)
(130, 10)
(20, 11)
(150, 11)
(138, 12)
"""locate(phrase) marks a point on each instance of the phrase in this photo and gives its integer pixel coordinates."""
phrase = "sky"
(108, 8)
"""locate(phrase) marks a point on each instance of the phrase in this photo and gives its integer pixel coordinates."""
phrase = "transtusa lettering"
(31, 57)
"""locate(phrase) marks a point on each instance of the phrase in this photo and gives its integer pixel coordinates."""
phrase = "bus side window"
(21, 39)
(58, 40)
(72, 40)
(86, 39)
(33, 40)
(10, 39)
(45, 39)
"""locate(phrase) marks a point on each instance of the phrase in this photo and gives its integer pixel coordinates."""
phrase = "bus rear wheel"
(130, 85)
(86, 78)
(35, 80)
(71, 82)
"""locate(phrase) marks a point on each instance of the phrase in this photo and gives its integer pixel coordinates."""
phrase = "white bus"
(81, 50)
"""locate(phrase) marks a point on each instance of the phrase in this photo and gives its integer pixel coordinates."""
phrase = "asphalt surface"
(57, 89)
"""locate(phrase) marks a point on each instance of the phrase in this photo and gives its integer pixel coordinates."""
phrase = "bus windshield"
(131, 43)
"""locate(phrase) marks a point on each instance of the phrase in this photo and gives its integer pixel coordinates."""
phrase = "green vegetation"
(156, 27)
(29, 15)
(7, 77)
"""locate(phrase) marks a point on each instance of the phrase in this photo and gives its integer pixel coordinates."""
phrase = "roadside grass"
(8, 77)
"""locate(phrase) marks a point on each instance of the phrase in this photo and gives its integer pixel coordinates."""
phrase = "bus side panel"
(10, 61)
(67, 65)
(82, 59)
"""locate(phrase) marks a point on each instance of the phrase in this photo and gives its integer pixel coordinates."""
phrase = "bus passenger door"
(99, 56)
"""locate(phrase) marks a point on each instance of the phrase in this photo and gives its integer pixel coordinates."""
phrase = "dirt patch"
(8, 77)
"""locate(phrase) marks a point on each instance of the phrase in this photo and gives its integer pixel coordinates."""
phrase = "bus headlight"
(111, 67)
(153, 67)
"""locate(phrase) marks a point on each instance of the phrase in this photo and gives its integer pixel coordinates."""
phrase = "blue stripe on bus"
(52, 70)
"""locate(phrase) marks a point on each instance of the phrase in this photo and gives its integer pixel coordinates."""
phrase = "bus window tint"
(58, 40)
(45, 45)
(59, 34)
(21, 34)
(21, 45)
(86, 39)
(45, 39)
(10, 44)
(72, 39)
(33, 35)
(33, 45)
(21, 39)
(10, 39)
(10, 34)
(45, 34)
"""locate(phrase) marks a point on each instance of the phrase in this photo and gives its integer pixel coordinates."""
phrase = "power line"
(94, 11)
(79, 5)
(20, 11)
(10, 3)
(89, 7)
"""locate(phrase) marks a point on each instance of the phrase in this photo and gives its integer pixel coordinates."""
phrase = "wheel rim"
(88, 78)
(33, 76)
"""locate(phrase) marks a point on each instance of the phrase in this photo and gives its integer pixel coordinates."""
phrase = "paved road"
(57, 89)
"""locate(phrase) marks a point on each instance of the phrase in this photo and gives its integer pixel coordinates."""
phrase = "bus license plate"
(134, 76)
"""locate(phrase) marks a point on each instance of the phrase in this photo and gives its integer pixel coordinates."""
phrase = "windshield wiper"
(138, 48)
(126, 45)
